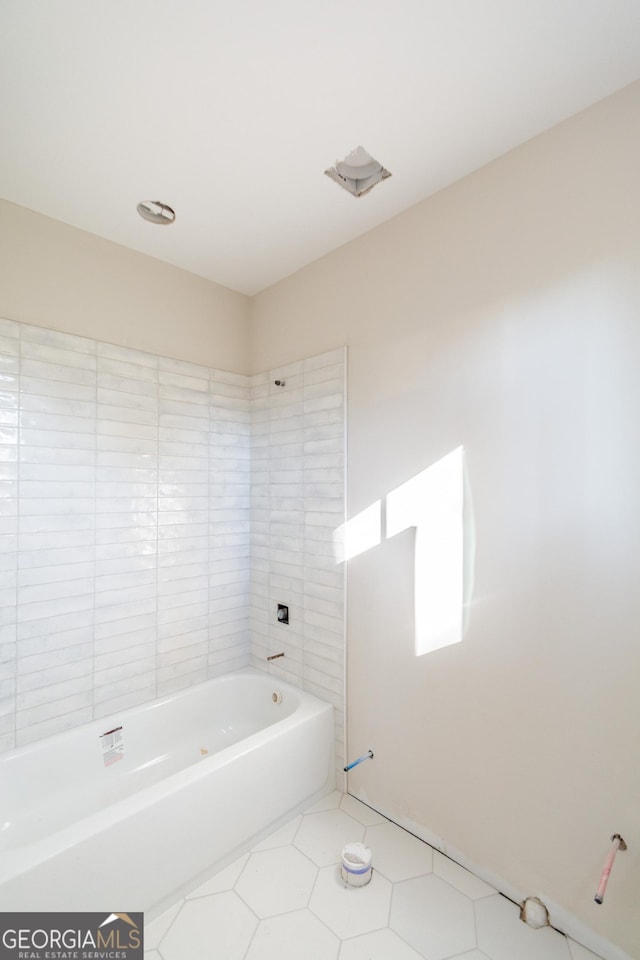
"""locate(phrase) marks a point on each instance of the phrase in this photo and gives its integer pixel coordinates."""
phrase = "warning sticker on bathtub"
(112, 743)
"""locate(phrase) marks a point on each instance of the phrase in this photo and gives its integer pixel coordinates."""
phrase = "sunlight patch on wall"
(433, 503)
(362, 532)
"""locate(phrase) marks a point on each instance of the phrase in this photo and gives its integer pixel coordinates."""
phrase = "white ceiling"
(230, 111)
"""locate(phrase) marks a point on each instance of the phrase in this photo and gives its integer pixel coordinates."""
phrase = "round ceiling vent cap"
(156, 212)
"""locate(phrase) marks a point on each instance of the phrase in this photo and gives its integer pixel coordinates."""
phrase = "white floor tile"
(281, 837)
(321, 836)
(503, 936)
(277, 881)
(434, 918)
(461, 879)
(330, 802)
(155, 931)
(292, 937)
(396, 853)
(418, 905)
(224, 880)
(221, 925)
(471, 955)
(381, 945)
(578, 952)
(350, 911)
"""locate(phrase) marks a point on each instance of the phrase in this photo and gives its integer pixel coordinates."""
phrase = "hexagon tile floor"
(285, 900)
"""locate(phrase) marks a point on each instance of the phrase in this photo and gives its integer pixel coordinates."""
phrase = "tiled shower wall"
(297, 518)
(125, 526)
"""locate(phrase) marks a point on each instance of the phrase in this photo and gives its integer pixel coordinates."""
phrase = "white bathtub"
(77, 833)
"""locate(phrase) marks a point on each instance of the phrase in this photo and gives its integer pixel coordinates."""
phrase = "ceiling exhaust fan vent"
(358, 172)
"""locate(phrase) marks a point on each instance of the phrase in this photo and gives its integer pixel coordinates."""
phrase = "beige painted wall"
(57, 276)
(502, 314)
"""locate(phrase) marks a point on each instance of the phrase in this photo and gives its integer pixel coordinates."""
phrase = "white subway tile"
(172, 632)
(63, 530)
(69, 718)
(61, 473)
(8, 435)
(8, 454)
(55, 506)
(125, 566)
(8, 598)
(56, 439)
(177, 559)
(331, 372)
(51, 627)
(142, 694)
(53, 683)
(45, 457)
(182, 594)
(326, 431)
(127, 386)
(8, 398)
(335, 697)
(62, 708)
(130, 474)
(227, 376)
(55, 489)
(10, 328)
(8, 418)
(31, 386)
(315, 648)
(61, 639)
(171, 393)
(57, 356)
(124, 611)
(139, 426)
(30, 596)
(195, 452)
(123, 527)
(332, 625)
(333, 668)
(116, 677)
(325, 607)
(120, 694)
(8, 489)
(125, 627)
(8, 508)
(59, 573)
(325, 359)
(293, 369)
(109, 351)
(122, 368)
(127, 421)
(129, 446)
(114, 649)
(85, 410)
(42, 370)
(53, 338)
(120, 599)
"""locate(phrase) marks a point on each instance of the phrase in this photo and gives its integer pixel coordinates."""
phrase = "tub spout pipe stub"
(354, 763)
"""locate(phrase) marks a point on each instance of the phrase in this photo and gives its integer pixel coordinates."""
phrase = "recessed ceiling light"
(358, 172)
(156, 212)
